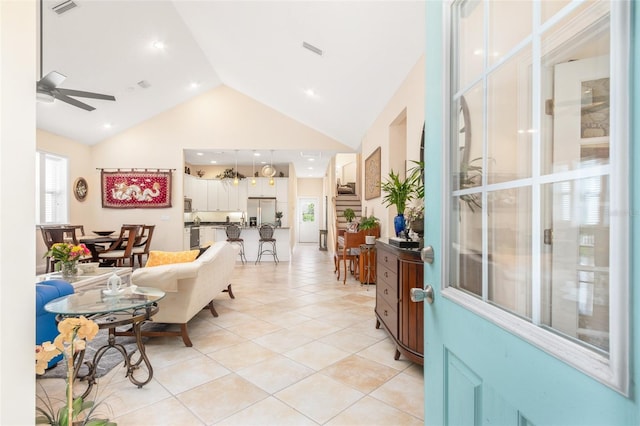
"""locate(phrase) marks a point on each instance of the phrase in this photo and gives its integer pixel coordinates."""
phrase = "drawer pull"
(385, 313)
(386, 291)
(386, 275)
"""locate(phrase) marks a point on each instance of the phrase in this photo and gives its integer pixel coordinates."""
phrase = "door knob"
(426, 254)
(418, 294)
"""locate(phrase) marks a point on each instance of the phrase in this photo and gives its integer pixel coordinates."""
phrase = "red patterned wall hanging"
(136, 189)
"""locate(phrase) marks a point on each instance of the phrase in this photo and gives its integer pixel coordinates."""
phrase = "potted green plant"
(368, 224)
(349, 214)
(279, 218)
(398, 192)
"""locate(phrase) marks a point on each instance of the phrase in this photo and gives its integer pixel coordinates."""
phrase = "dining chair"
(350, 253)
(143, 244)
(120, 250)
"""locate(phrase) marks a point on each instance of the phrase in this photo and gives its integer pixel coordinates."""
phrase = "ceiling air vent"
(63, 7)
(312, 48)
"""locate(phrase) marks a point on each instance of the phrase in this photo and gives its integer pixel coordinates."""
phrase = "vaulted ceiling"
(254, 47)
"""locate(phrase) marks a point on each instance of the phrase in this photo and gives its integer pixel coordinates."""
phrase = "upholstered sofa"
(46, 324)
(189, 286)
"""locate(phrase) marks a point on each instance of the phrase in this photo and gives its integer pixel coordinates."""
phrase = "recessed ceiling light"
(309, 92)
(263, 162)
(107, 125)
(194, 85)
(213, 162)
(309, 168)
(311, 159)
(200, 154)
(158, 45)
(256, 154)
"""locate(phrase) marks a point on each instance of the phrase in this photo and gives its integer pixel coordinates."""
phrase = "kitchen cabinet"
(237, 196)
(216, 196)
(225, 196)
(199, 196)
(398, 271)
(188, 185)
(261, 188)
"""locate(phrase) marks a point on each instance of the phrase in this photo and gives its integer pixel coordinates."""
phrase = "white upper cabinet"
(261, 188)
(199, 195)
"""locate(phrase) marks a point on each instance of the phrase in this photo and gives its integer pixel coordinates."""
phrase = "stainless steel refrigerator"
(263, 209)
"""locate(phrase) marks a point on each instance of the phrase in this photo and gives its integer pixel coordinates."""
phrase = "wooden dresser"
(399, 270)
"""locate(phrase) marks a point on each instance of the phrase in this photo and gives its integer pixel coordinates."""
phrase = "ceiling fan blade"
(51, 80)
(82, 94)
(71, 101)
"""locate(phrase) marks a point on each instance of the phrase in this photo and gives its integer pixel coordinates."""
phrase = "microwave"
(187, 204)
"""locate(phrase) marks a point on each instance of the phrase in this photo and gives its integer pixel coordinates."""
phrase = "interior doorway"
(308, 219)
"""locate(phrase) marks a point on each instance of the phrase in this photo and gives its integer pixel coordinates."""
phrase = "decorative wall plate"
(268, 171)
(80, 189)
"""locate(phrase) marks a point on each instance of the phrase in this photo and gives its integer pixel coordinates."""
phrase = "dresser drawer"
(388, 260)
(388, 315)
(386, 275)
(388, 291)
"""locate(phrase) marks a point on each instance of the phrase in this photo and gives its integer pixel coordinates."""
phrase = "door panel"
(481, 364)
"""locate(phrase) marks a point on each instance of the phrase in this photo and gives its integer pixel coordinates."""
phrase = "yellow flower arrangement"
(67, 252)
(74, 333)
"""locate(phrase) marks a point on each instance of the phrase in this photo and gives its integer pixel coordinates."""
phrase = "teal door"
(529, 177)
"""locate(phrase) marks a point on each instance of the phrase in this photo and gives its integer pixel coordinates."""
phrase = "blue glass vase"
(399, 224)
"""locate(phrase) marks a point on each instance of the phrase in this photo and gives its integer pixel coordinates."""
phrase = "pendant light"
(271, 180)
(235, 177)
(253, 170)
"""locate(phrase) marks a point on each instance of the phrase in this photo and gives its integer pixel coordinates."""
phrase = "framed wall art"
(372, 175)
(136, 189)
(80, 189)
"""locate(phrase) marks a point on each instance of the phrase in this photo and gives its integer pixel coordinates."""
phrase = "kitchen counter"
(212, 232)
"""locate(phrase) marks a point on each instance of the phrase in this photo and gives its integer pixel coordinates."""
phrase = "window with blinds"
(51, 188)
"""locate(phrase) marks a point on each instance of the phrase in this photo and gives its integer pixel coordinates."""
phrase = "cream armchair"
(189, 287)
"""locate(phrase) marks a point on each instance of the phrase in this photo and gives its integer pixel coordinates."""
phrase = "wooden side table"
(367, 264)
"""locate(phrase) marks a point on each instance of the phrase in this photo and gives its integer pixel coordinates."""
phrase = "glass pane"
(509, 249)
(466, 156)
(577, 264)
(509, 120)
(466, 244)
(509, 23)
(468, 17)
(575, 90)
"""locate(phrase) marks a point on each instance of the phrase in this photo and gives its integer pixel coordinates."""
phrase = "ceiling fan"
(47, 88)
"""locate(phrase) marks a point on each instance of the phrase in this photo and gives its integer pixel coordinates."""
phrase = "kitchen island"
(251, 238)
(212, 232)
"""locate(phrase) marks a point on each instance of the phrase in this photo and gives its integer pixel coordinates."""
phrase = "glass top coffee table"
(129, 306)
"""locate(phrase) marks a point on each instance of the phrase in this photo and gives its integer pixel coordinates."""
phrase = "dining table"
(94, 243)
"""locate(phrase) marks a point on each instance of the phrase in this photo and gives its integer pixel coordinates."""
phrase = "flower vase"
(399, 224)
(69, 270)
(417, 226)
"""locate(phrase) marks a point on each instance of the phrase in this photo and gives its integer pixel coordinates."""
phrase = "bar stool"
(233, 236)
(266, 236)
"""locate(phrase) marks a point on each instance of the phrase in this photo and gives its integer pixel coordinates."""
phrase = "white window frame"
(61, 210)
(611, 370)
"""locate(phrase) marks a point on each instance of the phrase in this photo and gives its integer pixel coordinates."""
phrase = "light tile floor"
(295, 347)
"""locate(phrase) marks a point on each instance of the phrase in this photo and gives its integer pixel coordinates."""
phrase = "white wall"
(410, 97)
(17, 210)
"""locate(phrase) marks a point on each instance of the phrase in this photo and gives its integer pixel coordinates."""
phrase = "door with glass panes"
(528, 214)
